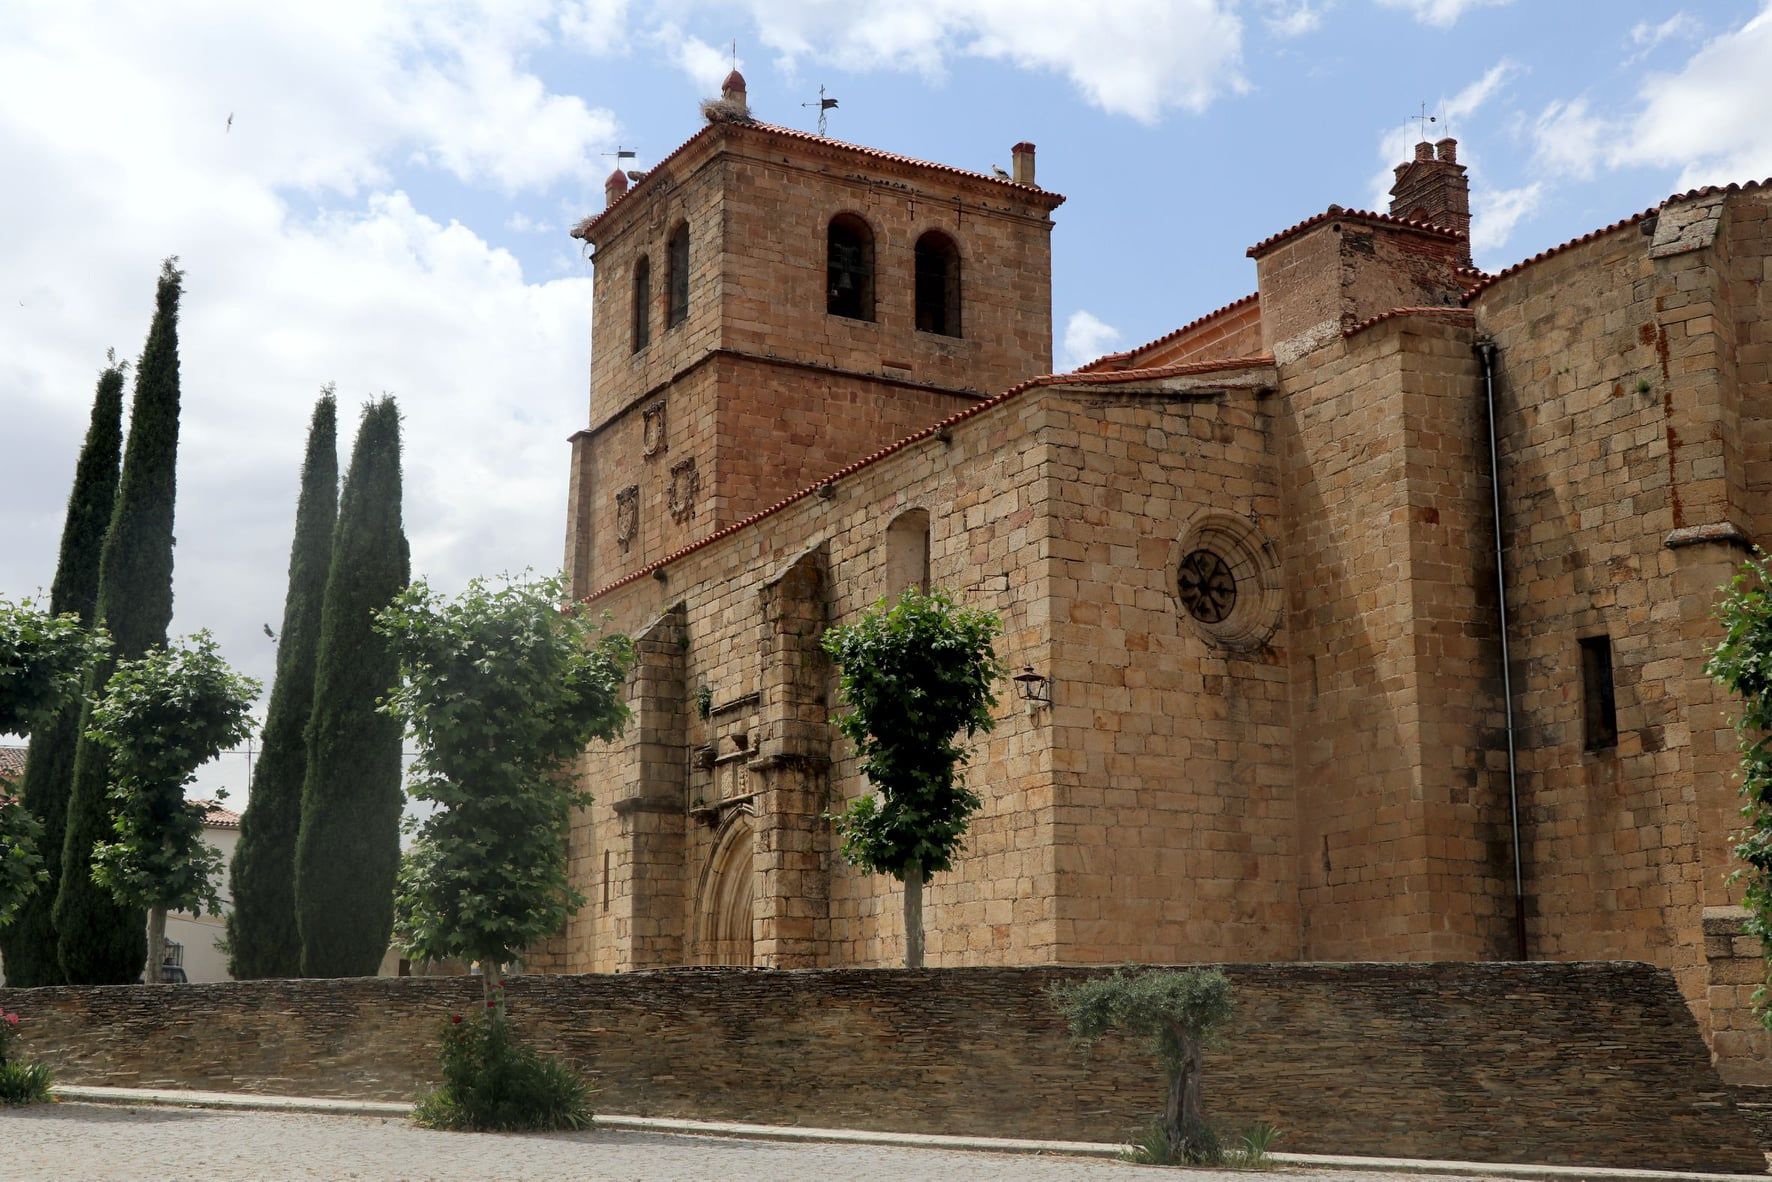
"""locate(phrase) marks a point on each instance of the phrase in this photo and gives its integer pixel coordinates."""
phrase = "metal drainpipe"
(1486, 351)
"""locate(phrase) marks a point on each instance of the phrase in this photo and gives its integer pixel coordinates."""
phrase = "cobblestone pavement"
(94, 1143)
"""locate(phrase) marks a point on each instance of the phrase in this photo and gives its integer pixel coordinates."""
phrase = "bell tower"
(771, 305)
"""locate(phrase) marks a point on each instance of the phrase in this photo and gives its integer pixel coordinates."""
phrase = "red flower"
(490, 1004)
(12, 1019)
(456, 1018)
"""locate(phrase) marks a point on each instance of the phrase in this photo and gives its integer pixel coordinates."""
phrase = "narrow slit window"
(849, 268)
(937, 262)
(1599, 706)
(907, 553)
(605, 880)
(642, 303)
(679, 260)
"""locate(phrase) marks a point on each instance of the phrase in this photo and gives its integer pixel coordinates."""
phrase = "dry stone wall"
(1596, 1064)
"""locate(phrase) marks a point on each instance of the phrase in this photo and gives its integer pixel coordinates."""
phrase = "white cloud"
(1133, 57)
(706, 65)
(1708, 118)
(1086, 337)
(137, 161)
(1440, 13)
(1495, 213)
(1467, 101)
(1570, 140)
(1646, 37)
(1285, 19)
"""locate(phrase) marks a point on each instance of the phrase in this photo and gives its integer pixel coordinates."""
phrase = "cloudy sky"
(388, 209)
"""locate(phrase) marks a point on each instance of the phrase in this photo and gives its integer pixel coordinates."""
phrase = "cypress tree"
(348, 852)
(29, 941)
(262, 936)
(99, 941)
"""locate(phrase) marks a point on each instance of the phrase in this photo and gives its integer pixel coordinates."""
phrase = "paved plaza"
(98, 1142)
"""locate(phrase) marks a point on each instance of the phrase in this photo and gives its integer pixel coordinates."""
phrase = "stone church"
(1269, 707)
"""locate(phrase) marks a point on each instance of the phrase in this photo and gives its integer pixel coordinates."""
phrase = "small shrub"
(1257, 1141)
(24, 1083)
(492, 1082)
(1151, 1146)
(20, 1082)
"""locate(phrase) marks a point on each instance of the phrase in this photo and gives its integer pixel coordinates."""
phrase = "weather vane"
(1424, 119)
(823, 104)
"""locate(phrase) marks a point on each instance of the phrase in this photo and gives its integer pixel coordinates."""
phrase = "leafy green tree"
(1181, 1012)
(1743, 663)
(29, 944)
(99, 941)
(917, 677)
(501, 689)
(162, 717)
(347, 852)
(21, 862)
(263, 940)
(42, 661)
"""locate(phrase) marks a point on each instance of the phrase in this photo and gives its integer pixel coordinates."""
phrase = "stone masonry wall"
(1385, 525)
(1594, 1064)
(1175, 827)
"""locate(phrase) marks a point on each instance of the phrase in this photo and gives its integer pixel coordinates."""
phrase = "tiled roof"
(1437, 311)
(217, 817)
(1190, 326)
(1336, 212)
(1063, 379)
(1623, 223)
(585, 227)
(12, 763)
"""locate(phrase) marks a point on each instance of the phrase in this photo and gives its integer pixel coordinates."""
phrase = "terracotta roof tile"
(1623, 223)
(1064, 379)
(1336, 212)
(586, 226)
(217, 817)
(1197, 322)
(12, 763)
(1437, 311)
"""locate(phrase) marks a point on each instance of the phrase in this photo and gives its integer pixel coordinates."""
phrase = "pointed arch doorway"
(723, 903)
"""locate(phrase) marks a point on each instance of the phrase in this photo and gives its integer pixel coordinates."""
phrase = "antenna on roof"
(823, 104)
(1424, 119)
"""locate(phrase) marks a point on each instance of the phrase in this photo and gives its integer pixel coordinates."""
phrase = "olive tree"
(1180, 1011)
(917, 677)
(500, 689)
(162, 717)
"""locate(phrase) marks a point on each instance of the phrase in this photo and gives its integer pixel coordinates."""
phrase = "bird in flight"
(230, 126)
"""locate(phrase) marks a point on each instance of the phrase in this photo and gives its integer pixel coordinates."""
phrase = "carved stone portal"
(627, 516)
(685, 484)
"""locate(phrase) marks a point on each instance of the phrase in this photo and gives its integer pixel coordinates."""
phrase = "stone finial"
(1022, 163)
(732, 106)
(615, 187)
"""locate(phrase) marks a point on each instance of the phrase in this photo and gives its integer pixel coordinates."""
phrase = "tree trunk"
(1183, 1117)
(913, 918)
(156, 944)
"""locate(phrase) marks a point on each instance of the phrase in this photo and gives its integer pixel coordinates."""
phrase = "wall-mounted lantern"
(1035, 690)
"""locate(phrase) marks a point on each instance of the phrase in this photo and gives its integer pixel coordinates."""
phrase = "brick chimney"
(615, 188)
(1433, 188)
(1022, 163)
